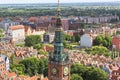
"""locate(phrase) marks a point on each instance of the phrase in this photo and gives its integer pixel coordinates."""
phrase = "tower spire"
(59, 61)
(58, 6)
(58, 22)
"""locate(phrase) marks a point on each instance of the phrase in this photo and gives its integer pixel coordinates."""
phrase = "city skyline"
(51, 1)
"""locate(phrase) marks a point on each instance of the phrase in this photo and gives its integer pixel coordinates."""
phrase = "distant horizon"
(53, 1)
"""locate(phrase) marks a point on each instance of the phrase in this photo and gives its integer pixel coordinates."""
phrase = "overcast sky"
(50, 1)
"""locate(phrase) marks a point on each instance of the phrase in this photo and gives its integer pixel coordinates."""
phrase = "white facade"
(93, 20)
(99, 19)
(6, 61)
(17, 33)
(86, 40)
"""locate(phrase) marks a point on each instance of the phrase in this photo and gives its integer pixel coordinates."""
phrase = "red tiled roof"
(44, 79)
(33, 19)
(16, 27)
(11, 74)
(34, 78)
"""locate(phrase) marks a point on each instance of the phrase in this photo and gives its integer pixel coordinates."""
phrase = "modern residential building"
(98, 19)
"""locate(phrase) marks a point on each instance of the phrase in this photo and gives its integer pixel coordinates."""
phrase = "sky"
(50, 1)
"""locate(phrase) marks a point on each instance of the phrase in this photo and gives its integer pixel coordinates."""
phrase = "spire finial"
(58, 23)
(58, 9)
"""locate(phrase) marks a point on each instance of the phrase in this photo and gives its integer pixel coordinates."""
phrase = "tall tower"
(59, 61)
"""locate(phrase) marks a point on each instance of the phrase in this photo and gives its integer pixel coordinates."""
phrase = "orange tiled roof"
(11, 74)
(16, 27)
(34, 78)
(44, 79)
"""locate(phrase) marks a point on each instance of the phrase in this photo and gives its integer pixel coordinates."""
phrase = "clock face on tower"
(54, 70)
(66, 70)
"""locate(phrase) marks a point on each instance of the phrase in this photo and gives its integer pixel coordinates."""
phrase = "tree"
(96, 74)
(67, 37)
(19, 68)
(103, 41)
(76, 77)
(42, 52)
(34, 65)
(77, 38)
(31, 65)
(98, 40)
(38, 46)
(100, 50)
(87, 73)
(117, 32)
(1, 32)
(73, 39)
(108, 41)
(78, 69)
(12, 57)
(83, 25)
(32, 40)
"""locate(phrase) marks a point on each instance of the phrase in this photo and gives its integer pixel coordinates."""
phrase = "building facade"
(6, 62)
(116, 42)
(86, 40)
(17, 33)
(6, 23)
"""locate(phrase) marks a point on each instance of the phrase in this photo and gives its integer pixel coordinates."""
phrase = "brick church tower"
(59, 61)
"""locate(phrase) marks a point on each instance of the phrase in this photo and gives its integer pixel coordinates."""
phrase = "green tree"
(19, 68)
(117, 32)
(98, 40)
(38, 46)
(42, 52)
(67, 37)
(83, 25)
(78, 69)
(34, 65)
(72, 38)
(1, 32)
(31, 65)
(76, 77)
(100, 50)
(12, 57)
(88, 73)
(32, 40)
(77, 38)
(96, 74)
(109, 41)
(103, 41)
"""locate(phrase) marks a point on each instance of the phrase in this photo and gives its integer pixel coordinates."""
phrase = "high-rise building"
(59, 60)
